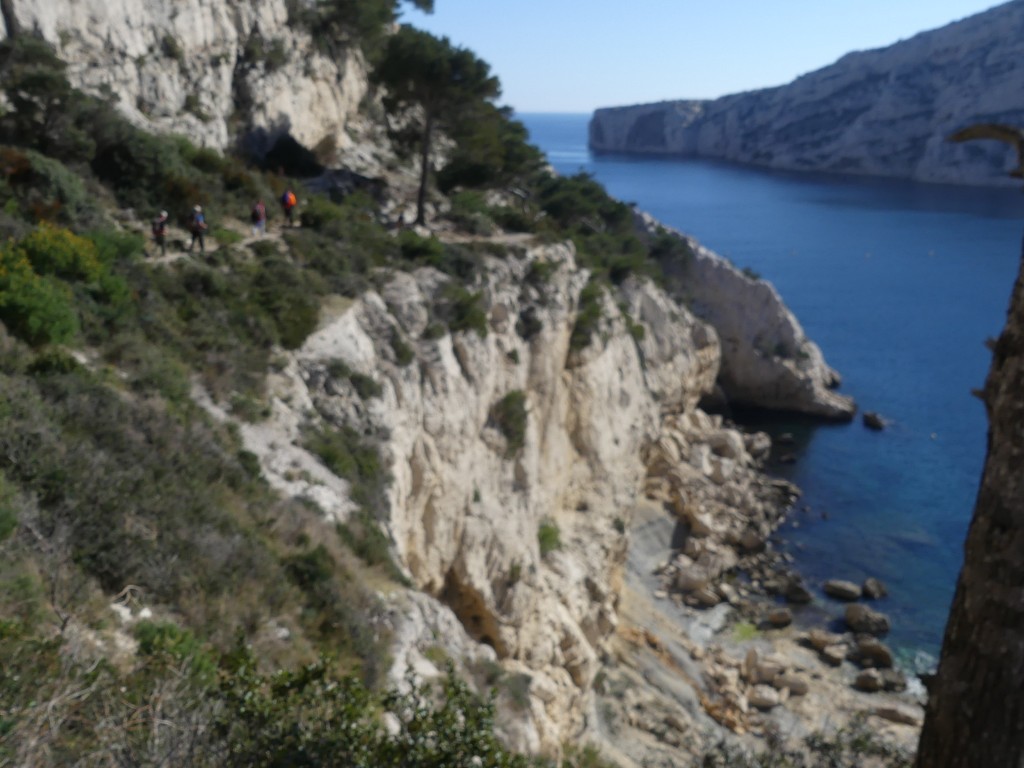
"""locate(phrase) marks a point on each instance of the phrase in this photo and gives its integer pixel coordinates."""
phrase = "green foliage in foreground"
(178, 706)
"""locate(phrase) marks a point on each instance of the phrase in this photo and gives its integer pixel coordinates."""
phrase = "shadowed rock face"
(883, 112)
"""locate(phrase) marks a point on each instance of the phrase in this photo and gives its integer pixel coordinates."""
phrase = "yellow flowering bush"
(59, 252)
(38, 308)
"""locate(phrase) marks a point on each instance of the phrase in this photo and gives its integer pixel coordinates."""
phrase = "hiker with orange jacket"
(288, 202)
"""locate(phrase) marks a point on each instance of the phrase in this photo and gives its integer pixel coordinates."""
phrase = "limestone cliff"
(520, 535)
(466, 504)
(882, 112)
(217, 71)
(767, 360)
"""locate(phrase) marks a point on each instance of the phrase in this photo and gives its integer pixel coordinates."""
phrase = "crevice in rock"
(469, 606)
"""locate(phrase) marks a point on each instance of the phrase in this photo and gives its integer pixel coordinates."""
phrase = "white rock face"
(767, 360)
(465, 507)
(190, 67)
(882, 112)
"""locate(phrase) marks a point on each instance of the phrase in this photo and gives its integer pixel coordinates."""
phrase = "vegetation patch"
(548, 537)
(588, 316)
(509, 415)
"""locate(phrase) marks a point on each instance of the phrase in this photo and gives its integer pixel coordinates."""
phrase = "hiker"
(288, 202)
(160, 232)
(259, 219)
(197, 226)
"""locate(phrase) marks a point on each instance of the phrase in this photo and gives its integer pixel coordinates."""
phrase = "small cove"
(900, 284)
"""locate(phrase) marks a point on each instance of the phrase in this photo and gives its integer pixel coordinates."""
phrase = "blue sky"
(574, 56)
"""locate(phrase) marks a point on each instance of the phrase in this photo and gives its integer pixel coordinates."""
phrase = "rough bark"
(10, 20)
(975, 712)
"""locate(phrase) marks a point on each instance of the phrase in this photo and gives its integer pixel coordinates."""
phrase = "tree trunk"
(421, 196)
(10, 20)
(975, 711)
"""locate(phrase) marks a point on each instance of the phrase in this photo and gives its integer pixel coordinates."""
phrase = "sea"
(900, 284)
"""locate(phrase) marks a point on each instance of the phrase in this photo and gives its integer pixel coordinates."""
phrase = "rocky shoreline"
(716, 608)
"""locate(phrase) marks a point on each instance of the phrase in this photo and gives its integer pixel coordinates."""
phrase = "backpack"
(159, 226)
(257, 213)
(288, 199)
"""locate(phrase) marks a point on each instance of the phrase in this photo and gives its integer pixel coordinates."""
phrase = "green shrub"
(53, 361)
(8, 512)
(347, 455)
(150, 368)
(666, 248)
(539, 272)
(403, 352)
(60, 253)
(365, 386)
(36, 309)
(588, 316)
(470, 213)
(318, 212)
(463, 310)
(509, 414)
(363, 535)
(225, 236)
(287, 294)
(42, 188)
(426, 250)
(434, 331)
(171, 48)
(249, 408)
(584, 757)
(548, 537)
(115, 247)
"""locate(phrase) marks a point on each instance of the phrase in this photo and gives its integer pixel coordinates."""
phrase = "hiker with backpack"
(259, 219)
(288, 202)
(197, 226)
(160, 232)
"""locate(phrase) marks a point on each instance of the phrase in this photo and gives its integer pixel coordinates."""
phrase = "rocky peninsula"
(883, 112)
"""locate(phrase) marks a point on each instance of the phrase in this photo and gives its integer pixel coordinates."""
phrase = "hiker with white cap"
(198, 227)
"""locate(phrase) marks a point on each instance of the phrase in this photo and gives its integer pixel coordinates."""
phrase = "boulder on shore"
(780, 617)
(860, 618)
(870, 681)
(872, 652)
(874, 589)
(841, 590)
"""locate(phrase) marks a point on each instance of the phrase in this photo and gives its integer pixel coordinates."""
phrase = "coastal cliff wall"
(216, 71)
(883, 112)
(515, 537)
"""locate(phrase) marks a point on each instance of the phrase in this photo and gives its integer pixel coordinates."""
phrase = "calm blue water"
(900, 284)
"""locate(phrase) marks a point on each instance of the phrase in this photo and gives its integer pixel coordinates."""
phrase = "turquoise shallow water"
(900, 284)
